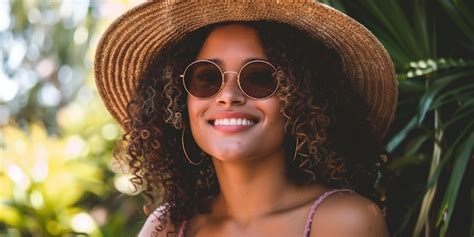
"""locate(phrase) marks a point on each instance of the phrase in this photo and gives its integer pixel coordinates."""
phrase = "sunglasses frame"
(223, 79)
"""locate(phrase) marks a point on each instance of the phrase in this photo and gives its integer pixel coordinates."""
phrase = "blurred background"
(57, 175)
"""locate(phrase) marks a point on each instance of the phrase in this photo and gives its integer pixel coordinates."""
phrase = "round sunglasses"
(256, 79)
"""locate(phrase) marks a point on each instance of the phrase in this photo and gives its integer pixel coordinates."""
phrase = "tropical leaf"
(427, 99)
(461, 14)
(439, 83)
(448, 154)
(431, 191)
(400, 136)
(462, 155)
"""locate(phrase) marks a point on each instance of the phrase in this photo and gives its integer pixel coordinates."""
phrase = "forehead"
(232, 42)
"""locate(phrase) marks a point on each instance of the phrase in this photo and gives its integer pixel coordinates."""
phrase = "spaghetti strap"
(182, 228)
(309, 221)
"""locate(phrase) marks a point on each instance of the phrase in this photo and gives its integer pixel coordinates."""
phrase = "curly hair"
(327, 118)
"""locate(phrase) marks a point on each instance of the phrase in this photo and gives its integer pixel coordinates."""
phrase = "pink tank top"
(309, 220)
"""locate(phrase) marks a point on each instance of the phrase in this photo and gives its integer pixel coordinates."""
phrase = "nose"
(231, 93)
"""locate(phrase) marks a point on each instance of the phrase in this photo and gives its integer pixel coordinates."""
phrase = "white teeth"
(233, 122)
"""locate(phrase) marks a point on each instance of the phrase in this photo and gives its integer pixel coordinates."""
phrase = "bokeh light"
(83, 223)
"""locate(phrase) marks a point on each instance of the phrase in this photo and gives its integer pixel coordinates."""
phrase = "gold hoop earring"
(186, 154)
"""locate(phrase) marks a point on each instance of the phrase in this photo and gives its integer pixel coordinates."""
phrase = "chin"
(225, 157)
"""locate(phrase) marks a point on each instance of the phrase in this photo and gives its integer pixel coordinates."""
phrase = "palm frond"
(461, 15)
(462, 155)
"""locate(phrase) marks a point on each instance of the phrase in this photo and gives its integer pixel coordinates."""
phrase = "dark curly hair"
(336, 146)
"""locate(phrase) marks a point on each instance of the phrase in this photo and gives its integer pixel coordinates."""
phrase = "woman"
(242, 119)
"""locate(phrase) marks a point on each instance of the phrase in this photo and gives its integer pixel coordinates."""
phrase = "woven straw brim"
(127, 47)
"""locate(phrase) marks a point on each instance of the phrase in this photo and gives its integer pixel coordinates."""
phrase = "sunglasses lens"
(258, 80)
(202, 79)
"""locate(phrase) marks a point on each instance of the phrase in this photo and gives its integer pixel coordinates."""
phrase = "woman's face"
(233, 46)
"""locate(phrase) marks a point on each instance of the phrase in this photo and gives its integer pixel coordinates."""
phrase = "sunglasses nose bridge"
(224, 80)
(231, 72)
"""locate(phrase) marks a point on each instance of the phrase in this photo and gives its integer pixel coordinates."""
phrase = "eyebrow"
(219, 62)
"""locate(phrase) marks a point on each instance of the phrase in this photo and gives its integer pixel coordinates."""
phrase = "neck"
(251, 189)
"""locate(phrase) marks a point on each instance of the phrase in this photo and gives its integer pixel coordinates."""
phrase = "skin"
(256, 198)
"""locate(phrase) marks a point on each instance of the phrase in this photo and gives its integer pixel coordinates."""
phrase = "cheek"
(275, 121)
(197, 125)
(274, 113)
(194, 109)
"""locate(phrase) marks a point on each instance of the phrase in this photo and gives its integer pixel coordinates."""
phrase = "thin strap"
(309, 221)
(182, 227)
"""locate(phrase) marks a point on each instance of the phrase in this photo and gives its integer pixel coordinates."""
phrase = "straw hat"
(128, 45)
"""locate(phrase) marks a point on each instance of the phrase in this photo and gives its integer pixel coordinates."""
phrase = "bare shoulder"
(149, 229)
(346, 214)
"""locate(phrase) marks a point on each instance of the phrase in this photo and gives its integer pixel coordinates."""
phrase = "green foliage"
(45, 179)
(434, 124)
(45, 57)
(62, 185)
(462, 14)
(57, 176)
